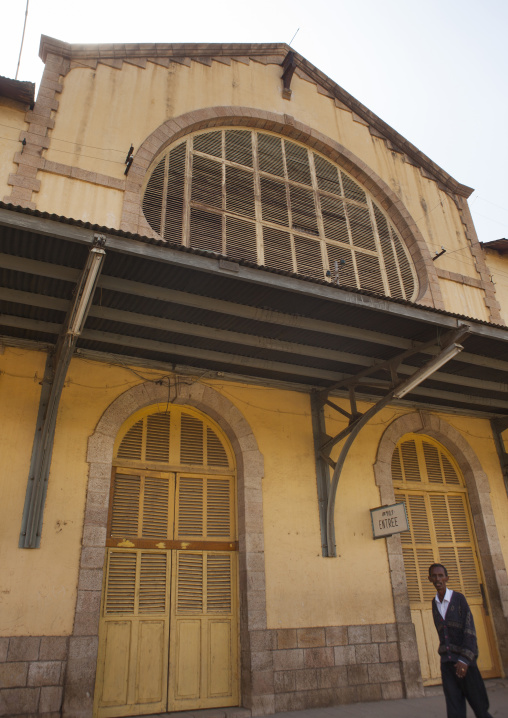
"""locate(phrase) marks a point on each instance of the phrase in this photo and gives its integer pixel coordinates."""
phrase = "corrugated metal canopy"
(181, 307)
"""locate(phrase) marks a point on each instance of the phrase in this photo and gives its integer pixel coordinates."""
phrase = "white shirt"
(443, 607)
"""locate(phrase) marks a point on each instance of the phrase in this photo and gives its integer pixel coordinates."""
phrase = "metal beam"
(498, 427)
(56, 371)
(245, 312)
(354, 428)
(259, 277)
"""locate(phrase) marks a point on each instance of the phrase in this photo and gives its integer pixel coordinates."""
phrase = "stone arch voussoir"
(133, 219)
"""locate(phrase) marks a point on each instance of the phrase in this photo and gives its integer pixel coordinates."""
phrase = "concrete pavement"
(431, 706)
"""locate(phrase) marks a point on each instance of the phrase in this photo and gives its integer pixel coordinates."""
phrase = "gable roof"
(266, 53)
(16, 90)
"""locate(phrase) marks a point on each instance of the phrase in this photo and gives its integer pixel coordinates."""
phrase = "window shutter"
(308, 257)
(205, 508)
(190, 507)
(410, 461)
(218, 583)
(270, 154)
(174, 194)
(432, 463)
(157, 437)
(277, 247)
(352, 190)
(241, 239)
(297, 163)
(120, 582)
(125, 509)
(216, 453)
(132, 443)
(209, 143)
(152, 198)
(153, 582)
(189, 582)
(239, 146)
(191, 440)
(156, 508)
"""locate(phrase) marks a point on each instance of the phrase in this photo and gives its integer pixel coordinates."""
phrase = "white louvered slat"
(206, 230)
(241, 239)
(239, 146)
(131, 445)
(206, 181)
(209, 143)
(352, 189)
(152, 583)
(369, 272)
(277, 247)
(334, 219)
(190, 507)
(308, 257)
(125, 509)
(120, 583)
(327, 175)
(152, 198)
(191, 440)
(440, 517)
(346, 271)
(297, 163)
(274, 204)
(418, 519)
(240, 191)
(189, 581)
(215, 452)
(157, 437)
(218, 508)
(450, 475)
(156, 508)
(410, 461)
(362, 233)
(218, 583)
(432, 463)
(173, 215)
(270, 154)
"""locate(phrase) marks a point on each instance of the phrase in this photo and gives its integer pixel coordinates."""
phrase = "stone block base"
(32, 670)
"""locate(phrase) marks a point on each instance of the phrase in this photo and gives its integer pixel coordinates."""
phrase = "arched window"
(255, 196)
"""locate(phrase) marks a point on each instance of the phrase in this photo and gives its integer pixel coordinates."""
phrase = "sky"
(436, 71)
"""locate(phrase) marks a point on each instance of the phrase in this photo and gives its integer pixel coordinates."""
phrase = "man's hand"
(460, 669)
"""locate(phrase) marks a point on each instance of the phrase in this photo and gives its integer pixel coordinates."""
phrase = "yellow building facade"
(225, 338)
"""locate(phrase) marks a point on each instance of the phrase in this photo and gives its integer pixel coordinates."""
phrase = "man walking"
(458, 649)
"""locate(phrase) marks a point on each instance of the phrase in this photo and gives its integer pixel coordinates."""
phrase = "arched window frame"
(376, 259)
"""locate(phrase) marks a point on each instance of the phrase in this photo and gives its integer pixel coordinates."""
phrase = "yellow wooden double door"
(168, 637)
(428, 480)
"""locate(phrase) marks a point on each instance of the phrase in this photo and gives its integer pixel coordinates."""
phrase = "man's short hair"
(438, 565)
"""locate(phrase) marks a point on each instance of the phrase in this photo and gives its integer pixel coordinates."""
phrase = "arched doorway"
(428, 480)
(168, 637)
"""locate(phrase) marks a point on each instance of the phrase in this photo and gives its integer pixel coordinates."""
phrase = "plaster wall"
(303, 589)
(102, 111)
(12, 122)
(463, 299)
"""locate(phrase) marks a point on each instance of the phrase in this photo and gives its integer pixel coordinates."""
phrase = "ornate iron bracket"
(447, 347)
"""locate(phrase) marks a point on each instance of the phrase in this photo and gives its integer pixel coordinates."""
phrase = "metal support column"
(57, 365)
(324, 444)
(498, 427)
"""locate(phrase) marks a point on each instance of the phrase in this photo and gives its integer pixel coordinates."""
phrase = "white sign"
(389, 520)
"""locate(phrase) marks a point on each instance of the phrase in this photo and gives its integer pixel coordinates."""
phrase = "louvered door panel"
(134, 635)
(143, 611)
(204, 639)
